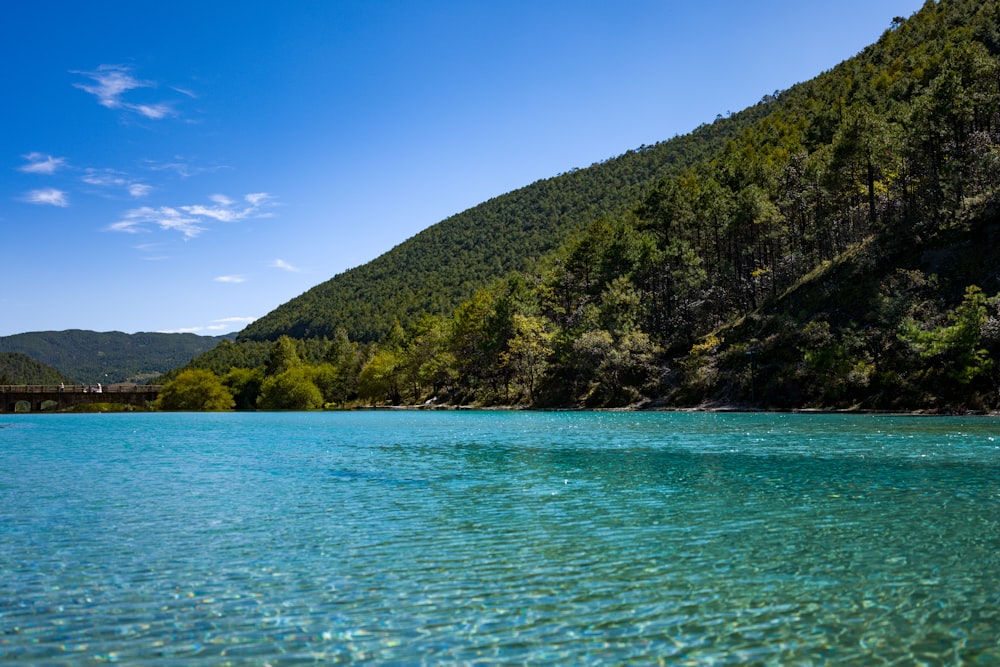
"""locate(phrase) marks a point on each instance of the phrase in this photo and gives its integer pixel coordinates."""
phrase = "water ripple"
(505, 538)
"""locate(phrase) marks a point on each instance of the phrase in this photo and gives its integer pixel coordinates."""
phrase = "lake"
(498, 538)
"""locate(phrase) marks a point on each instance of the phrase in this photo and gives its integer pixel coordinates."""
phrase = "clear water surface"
(498, 537)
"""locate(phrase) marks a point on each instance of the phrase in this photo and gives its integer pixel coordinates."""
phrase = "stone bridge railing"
(52, 398)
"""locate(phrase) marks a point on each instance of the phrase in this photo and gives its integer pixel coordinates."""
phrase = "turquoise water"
(507, 537)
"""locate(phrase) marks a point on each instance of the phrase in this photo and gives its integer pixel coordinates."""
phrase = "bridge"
(54, 398)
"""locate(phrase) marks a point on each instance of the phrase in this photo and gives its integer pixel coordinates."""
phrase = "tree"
(195, 390)
(477, 339)
(528, 352)
(346, 359)
(426, 365)
(628, 367)
(328, 380)
(956, 346)
(244, 384)
(291, 390)
(613, 368)
(283, 356)
(379, 379)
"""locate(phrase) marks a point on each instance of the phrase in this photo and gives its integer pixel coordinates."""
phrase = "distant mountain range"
(90, 357)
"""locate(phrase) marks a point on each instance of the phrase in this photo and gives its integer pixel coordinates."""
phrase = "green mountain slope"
(437, 269)
(17, 368)
(837, 253)
(833, 247)
(90, 356)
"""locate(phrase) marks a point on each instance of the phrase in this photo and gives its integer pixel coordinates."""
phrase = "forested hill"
(17, 368)
(836, 246)
(110, 356)
(440, 267)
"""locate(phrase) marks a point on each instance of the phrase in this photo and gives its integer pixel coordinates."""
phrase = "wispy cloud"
(284, 266)
(154, 252)
(192, 220)
(153, 111)
(230, 279)
(109, 178)
(50, 196)
(105, 178)
(216, 327)
(185, 91)
(225, 209)
(258, 198)
(139, 190)
(109, 85)
(183, 168)
(234, 320)
(164, 217)
(40, 163)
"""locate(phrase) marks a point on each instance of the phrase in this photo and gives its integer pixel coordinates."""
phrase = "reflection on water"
(247, 539)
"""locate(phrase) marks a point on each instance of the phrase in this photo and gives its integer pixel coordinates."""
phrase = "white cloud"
(39, 163)
(138, 190)
(230, 279)
(216, 327)
(227, 210)
(106, 178)
(112, 82)
(284, 266)
(152, 111)
(257, 198)
(109, 178)
(189, 220)
(220, 213)
(49, 196)
(164, 217)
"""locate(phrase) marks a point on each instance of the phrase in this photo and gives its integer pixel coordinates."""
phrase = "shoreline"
(700, 408)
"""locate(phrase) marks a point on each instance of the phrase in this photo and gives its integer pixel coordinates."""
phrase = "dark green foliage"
(89, 357)
(17, 368)
(244, 384)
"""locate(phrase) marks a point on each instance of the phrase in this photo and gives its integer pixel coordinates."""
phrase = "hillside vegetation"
(89, 357)
(442, 266)
(17, 368)
(832, 247)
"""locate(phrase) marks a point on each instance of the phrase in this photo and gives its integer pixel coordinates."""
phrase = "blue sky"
(190, 166)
